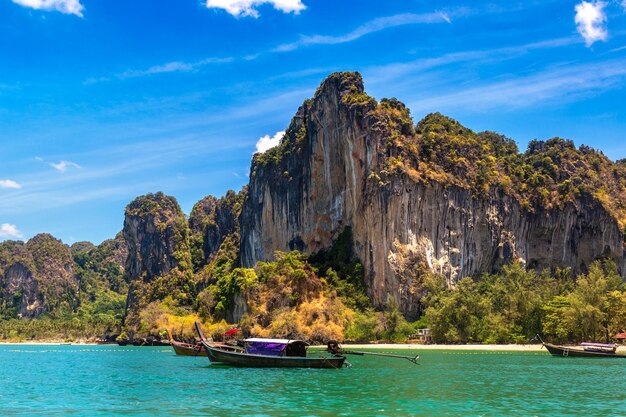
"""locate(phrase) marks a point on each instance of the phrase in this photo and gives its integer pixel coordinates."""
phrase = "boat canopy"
(599, 345)
(276, 347)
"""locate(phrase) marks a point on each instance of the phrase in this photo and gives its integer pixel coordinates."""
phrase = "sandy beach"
(377, 346)
(417, 346)
(47, 343)
(356, 346)
(495, 348)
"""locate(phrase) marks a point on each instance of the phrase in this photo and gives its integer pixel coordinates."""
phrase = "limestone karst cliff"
(36, 277)
(435, 196)
(159, 260)
(211, 221)
(431, 196)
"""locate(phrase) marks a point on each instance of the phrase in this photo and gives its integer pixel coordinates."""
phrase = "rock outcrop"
(348, 161)
(159, 259)
(211, 220)
(155, 228)
(37, 277)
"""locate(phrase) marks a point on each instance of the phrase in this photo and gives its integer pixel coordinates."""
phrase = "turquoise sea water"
(129, 381)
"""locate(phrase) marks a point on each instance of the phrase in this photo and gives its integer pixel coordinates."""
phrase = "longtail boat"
(188, 349)
(283, 353)
(585, 350)
(269, 353)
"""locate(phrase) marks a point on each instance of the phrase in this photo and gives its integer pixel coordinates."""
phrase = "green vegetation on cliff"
(159, 261)
(290, 297)
(211, 221)
(547, 176)
(50, 291)
(103, 285)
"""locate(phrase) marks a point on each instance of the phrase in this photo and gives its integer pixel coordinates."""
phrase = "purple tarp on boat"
(266, 348)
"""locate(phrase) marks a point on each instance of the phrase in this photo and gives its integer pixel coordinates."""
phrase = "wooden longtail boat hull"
(185, 349)
(565, 351)
(217, 355)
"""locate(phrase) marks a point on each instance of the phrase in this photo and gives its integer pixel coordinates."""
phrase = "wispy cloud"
(130, 168)
(10, 184)
(266, 142)
(372, 26)
(175, 66)
(8, 230)
(591, 21)
(64, 6)
(240, 8)
(169, 67)
(62, 166)
(380, 75)
(558, 83)
(134, 168)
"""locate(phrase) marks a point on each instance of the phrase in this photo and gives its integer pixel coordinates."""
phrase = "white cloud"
(248, 7)
(63, 6)
(624, 4)
(265, 143)
(375, 25)
(10, 231)
(159, 69)
(9, 184)
(591, 21)
(64, 165)
(175, 66)
(557, 84)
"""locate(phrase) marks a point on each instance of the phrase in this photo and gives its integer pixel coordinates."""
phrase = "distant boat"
(189, 349)
(186, 349)
(584, 350)
(269, 353)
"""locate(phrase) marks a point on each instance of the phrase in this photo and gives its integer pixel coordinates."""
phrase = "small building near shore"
(423, 336)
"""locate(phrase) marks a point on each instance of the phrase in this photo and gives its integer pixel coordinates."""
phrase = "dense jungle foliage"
(95, 308)
(323, 297)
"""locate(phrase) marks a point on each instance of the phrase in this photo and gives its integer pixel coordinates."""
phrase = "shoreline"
(373, 346)
(53, 344)
(417, 346)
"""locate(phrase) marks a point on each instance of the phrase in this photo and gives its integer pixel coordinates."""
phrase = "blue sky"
(105, 100)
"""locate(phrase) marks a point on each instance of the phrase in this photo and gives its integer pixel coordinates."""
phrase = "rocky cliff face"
(159, 259)
(154, 229)
(211, 220)
(37, 277)
(347, 160)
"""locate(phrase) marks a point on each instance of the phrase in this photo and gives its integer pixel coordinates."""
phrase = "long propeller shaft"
(388, 355)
